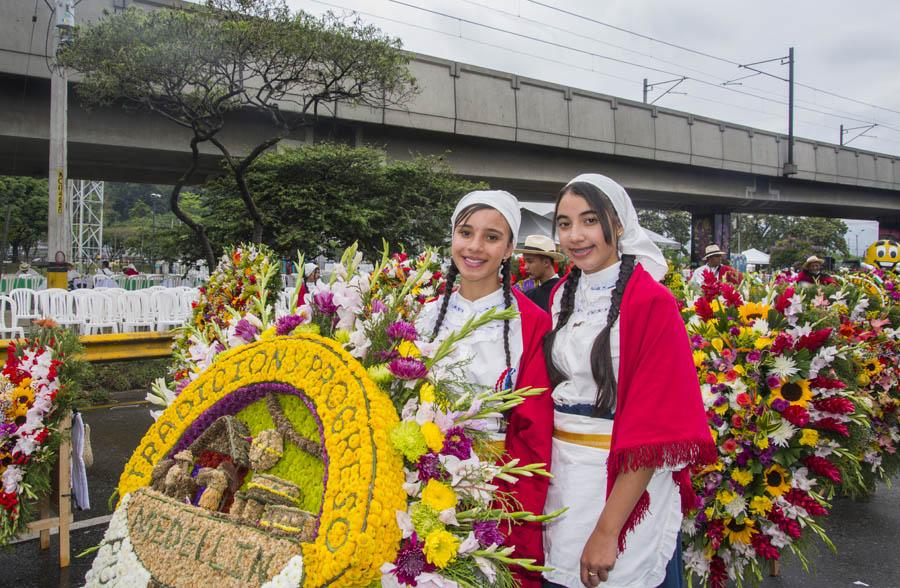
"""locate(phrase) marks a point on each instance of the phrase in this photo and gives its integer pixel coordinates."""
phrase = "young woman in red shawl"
(628, 415)
(500, 355)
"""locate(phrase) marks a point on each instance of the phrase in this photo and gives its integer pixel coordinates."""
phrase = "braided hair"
(600, 356)
(453, 273)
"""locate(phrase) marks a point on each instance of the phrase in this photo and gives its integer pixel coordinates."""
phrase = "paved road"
(866, 534)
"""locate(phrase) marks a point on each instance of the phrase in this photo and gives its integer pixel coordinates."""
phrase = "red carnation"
(703, 310)
(737, 421)
(782, 342)
(788, 526)
(823, 382)
(823, 467)
(718, 573)
(796, 415)
(806, 502)
(814, 340)
(835, 404)
(8, 500)
(832, 424)
(783, 301)
(763, 546)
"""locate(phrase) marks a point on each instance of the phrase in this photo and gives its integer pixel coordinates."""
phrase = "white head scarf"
(634, 241)
(500, 200)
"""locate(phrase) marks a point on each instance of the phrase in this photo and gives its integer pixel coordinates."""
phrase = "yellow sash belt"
(584, 439)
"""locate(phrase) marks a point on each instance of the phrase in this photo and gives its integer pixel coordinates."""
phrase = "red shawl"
(529, 436)
(660, 420)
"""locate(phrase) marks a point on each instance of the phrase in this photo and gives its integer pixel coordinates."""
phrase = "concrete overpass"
(524, 135)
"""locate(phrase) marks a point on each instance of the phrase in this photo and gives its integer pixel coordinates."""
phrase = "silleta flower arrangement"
(33, 401)
(779, 366)
(284, 452)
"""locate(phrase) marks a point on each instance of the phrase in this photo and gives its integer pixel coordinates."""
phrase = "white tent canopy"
(662, 242)
(756, 257)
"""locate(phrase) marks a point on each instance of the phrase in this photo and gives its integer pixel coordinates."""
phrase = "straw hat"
(540, 245)
(24, 267)
(812, 259)
(712, 250)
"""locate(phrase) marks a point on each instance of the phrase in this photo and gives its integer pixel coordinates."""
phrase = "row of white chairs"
(100, 310)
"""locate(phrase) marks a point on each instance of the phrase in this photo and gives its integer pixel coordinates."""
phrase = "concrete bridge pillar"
(708, 228)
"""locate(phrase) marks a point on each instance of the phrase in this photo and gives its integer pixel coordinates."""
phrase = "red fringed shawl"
(529, 436)
(660, 420)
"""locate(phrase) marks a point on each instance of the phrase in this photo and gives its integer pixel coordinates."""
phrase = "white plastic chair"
(13, 330)
(101, 315)
(136, 312)
(168, 311)
(81, 307)
(26, 304)
(43, 298)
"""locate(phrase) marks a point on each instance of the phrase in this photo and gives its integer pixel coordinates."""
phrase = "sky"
(846, 53)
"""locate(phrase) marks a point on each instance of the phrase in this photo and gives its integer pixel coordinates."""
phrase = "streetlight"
(154, 197)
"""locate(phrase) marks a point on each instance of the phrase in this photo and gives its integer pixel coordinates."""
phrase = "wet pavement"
(866, 534)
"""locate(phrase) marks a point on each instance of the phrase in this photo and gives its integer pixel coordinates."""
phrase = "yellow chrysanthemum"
(777, 480)
(440, 548)
(863, 379)
(438, 495)
(408, 349)
(434, 437)
(342, 336)
(426, 392)
(762, 442)
(751, 311)
(796, 393)
(742, 477)
(739, 532)
(725, 497)
(809, 437)
(760, 505)
(268, 334)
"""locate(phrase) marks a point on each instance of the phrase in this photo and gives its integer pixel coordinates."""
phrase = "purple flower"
(780, 404)
(457, 444)
(720, 401)
(773, 382)
(754, 356)
(245, 330)
(7, 429)
(743, 457)
(181, 384)
(288, 323)
(734, 331)
(411, 561)
(378, 306)
(488, 533)
(388, 356)
(323, 301)
(407, 368)
(402, 330)
(429, 467)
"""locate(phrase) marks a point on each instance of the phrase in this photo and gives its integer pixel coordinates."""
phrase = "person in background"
(104, 269)
(130, 270)
(540, 255)
(714, 264)
(812, 273)
(26, 271)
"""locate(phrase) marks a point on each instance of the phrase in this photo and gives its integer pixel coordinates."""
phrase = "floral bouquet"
(451, 527)
(33, 402)
(772, 372)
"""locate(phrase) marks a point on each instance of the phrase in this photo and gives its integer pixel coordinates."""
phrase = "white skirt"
(579, 483)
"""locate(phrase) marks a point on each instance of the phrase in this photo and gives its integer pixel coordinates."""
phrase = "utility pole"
(790, 168)
(59, 241)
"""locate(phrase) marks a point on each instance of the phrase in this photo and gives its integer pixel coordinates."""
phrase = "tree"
(763, 231)
(194, 66)
(321, 198)
(674, 224)
(26, 200)
(789, 251)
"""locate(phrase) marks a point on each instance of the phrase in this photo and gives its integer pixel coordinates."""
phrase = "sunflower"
(795, 393)
(777, 480)
(739, 532)
(872, 366)
(751, 311)
(24, 395)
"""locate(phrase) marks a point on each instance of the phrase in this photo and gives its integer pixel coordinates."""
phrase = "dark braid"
(448, 290)
(566, 307)
(505, 272)
(601, 359)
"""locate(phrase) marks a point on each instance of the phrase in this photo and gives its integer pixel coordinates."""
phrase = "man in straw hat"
(714, 264)
(812, 272)
(540, 254)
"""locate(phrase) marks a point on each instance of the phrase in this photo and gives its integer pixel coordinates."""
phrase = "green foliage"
(26, 199)
(806, 235)
(674, 224)
(321, 198)
(101, 379)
